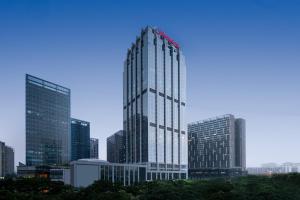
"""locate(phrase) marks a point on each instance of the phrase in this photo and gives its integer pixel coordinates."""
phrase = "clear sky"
(242, 58)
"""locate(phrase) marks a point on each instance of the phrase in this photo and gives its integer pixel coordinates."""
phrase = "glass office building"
(80, 139)
(48, 125)
(216, 146)
(154, 100)
(94, 148)
(115, 147)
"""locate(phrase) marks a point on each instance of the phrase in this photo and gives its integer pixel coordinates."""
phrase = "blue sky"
(242, 58)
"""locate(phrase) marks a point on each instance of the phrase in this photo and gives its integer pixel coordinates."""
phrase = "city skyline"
(241, 70)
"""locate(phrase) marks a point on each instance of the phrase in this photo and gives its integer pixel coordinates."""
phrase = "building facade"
(53, 173)
(7, 160)
(48, 125)
(115, 145)
(85, 171)
(240, 143)
(80, 139)
(2, 158)
(154, 100)
(94, 148)
(217, 143)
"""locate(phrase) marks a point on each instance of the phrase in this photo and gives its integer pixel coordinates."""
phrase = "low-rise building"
(273, 168)
(54, 173)
(85, 172)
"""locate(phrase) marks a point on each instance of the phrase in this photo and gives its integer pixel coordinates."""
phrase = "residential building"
(115, 145)
(80, 139)
(48, 125)
(154, 100)
(217, 144)
(94, 148)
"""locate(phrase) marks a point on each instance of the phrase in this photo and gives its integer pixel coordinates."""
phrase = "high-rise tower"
(154, 100)
(80, 139)
(48, 125)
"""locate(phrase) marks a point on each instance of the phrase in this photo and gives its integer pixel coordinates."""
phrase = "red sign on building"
(167, 38)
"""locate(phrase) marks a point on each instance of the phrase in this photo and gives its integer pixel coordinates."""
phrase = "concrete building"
(154, 100)
(7, 160)
(217, 144)
(80, 139)
(85, 171)
(48, 125)
(94, 148)
(115, 145)
(240, 143)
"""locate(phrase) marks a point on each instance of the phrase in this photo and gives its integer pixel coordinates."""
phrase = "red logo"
(167, 38)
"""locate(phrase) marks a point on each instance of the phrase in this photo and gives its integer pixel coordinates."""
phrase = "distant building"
(80, 139)
(240, 143)
(2, 158)
(7, 160)
(48, 125)
(273, 168)
(217, 144)
(115, 145)
(53, 173)
(94, 148)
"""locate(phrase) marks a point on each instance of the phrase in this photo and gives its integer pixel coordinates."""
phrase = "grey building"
(115, 145)
(217, 144)
(94, 148)
(80, 139)
(85, 171)
(240, 143)
(154, 100)
(48, 125)
(7, 160)
(2, 158)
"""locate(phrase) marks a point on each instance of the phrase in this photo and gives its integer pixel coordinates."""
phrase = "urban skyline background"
(242, 58)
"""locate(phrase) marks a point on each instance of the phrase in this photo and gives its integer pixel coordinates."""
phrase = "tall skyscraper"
(94, 148)
(80, 139)
(115, 145)
(217, 143)
(7, 160)
(48, 125)
(154, 100)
